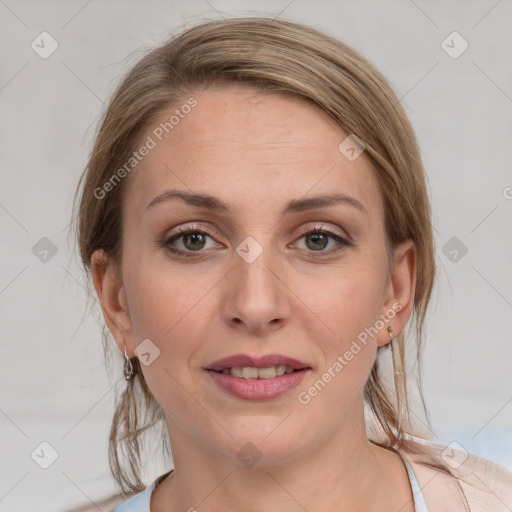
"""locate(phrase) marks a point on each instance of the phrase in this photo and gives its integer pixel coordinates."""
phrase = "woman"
(255, 219)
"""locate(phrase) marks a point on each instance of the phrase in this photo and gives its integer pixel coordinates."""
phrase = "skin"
(256, 151)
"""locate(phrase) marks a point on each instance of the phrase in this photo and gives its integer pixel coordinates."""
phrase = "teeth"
(258, 373)
(250, 373)
(281, 369)
(266, 373)
(237, 372)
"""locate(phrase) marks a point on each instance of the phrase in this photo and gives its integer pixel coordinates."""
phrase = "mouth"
(248, 372)
(253, 378)
(252, 367)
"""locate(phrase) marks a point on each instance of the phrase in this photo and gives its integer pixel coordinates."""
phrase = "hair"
(275, 56)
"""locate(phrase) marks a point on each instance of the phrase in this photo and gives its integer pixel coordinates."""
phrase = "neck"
(344, 472)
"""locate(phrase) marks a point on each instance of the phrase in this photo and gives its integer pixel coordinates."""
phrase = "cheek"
(167, 309)
(342, 315)
(361, 296)
(173, 310)
(345, 302)
(162, 297)
(350, 307)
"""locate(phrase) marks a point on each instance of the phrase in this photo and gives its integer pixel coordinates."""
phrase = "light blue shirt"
(140, 502)
(419, 500)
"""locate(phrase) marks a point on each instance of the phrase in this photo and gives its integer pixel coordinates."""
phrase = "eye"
(188, 240)
(318, 239)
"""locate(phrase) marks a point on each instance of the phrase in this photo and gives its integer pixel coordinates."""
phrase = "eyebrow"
(294, 206)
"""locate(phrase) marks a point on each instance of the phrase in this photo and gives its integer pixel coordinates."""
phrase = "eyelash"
(181, 232)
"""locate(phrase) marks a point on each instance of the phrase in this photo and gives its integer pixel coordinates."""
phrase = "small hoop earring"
(390, 332)
(128, 366)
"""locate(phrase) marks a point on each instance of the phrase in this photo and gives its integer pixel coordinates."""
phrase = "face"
(261, 269)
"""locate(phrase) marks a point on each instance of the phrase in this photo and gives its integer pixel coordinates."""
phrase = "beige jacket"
(475, 485)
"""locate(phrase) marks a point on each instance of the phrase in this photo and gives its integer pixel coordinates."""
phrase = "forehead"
(242, 144)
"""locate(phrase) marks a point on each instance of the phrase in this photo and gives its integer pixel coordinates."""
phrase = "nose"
(256, 297)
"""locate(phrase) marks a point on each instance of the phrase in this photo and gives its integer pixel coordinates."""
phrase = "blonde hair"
(271, 55)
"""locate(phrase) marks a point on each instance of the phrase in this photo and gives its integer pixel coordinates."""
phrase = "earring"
(128, 367)
(399, 379)
(397, 362)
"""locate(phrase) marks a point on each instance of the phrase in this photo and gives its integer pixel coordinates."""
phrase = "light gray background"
(53, 382)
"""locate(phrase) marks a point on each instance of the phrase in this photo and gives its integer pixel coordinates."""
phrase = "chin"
(261, 444)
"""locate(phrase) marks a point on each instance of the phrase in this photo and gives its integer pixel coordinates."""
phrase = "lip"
(244, 360)
(258, 389)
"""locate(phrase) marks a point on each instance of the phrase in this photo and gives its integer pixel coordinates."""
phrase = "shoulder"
(139, 502)
(449, 475)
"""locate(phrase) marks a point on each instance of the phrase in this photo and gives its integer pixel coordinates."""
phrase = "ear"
(111, 293)
(399, 294)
